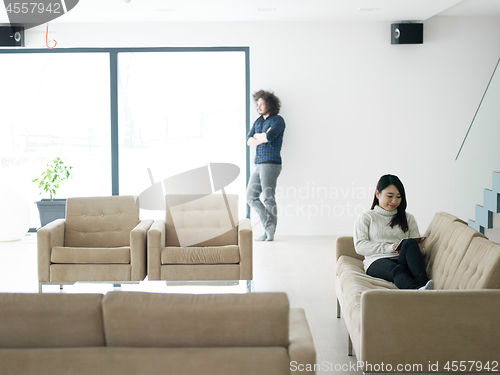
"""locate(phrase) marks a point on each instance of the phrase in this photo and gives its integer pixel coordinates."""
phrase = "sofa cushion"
(445, 251)
(440, 221)
(351, 268)
(182, 320)
(354, 281)
(200, 255)
(480, 267)
(50, 320)
(100, 221)
(93, 255)
(436, 234)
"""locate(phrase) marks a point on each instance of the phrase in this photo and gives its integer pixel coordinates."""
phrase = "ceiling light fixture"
(368, 9)
(266, 9)
(165, 10)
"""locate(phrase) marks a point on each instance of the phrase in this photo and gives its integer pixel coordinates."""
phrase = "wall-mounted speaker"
(11, 36)
(407, 33)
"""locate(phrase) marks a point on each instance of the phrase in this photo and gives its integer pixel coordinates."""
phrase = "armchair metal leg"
(339, 312)
(117, 286)
(249, 286)
(40, 287)
(349, 346)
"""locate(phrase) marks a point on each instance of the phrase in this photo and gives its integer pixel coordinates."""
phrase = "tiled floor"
(303, 267)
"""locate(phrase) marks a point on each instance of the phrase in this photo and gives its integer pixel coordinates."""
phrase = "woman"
(378, 231)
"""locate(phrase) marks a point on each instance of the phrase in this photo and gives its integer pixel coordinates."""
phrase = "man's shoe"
(262, 238)
(270, 234)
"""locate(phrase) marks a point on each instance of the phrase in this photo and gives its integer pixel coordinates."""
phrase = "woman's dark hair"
(272, 102)
(400, 217)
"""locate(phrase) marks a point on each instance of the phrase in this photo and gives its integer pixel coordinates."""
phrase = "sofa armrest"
(138, 250)
(245, 244)
(47, 237)
(345, 246)
(156, 241)
(422, 328)
(301, 348)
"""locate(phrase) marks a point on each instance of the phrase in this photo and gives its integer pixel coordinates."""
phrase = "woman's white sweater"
(374, 237)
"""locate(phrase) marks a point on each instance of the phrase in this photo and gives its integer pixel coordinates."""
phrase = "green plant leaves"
(55, 173)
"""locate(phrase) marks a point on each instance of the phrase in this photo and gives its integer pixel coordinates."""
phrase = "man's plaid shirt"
(274, 127)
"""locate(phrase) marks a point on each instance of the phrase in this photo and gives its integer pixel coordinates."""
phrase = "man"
(267, 135)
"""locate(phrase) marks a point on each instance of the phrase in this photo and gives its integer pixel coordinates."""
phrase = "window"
(172, 110)
(55, 105)
(180, 111)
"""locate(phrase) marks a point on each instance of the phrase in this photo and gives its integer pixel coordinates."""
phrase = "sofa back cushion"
(50, 320)
(198, 220)
(445, 250)
(480, 267)
(437, 231)
(100, 221)
(439, 221)
(182, 320)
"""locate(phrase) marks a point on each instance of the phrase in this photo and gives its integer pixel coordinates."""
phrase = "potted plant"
(52, 208)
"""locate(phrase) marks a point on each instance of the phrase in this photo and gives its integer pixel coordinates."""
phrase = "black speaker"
(11, 36)
(407, 33)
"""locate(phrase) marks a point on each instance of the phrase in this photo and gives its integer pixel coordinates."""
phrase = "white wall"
(356, 107)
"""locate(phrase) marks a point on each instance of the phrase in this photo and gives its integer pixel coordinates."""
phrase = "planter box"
(51, 210)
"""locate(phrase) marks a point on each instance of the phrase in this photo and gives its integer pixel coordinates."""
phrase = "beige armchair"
(101, 239)
(200, 240)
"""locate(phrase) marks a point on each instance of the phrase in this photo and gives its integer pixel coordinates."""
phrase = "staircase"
(487, 217)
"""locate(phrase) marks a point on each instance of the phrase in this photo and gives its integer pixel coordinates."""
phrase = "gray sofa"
(146, 333)
(455, 328)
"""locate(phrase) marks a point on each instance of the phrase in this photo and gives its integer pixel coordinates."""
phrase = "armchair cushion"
(201, 255)
(201, 220)
(90, 272)
(100, 221)
(90, 255)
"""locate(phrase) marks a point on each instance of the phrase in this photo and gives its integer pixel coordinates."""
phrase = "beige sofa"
(455, 328)
(101, 239)
(145, 333)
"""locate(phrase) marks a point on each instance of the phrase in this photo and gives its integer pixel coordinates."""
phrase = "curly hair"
(272, 102)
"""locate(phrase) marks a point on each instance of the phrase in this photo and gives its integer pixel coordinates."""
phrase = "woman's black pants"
(407, 271)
